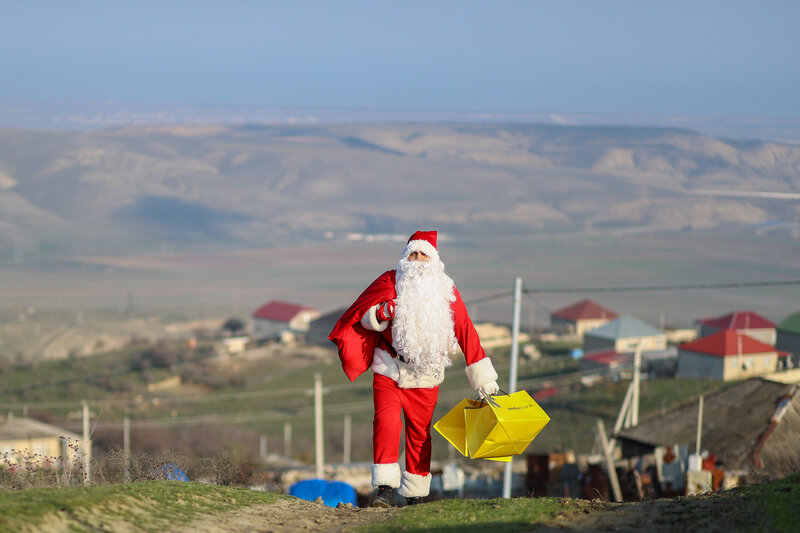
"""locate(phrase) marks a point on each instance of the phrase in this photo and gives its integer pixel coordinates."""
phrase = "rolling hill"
(128, 188)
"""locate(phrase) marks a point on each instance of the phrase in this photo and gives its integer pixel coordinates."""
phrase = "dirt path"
(713, 513)
(289, 516)
(710, 514)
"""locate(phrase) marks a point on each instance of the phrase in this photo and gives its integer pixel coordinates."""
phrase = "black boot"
(413, 501)
(384, 498)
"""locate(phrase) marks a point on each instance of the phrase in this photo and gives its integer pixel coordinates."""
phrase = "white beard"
(422, 328)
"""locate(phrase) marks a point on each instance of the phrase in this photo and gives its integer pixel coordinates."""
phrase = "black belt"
(389, 348)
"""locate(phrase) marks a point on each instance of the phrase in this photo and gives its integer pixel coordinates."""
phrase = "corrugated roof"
(585, 310)
(727, 342)
(734, 420)
(791, 324)
(280, 311)
(624, 327)
(739, 320)
(27, 428)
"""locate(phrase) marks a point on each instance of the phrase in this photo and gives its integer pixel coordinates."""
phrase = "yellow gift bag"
(504, 425)
(496, 429)
(452, 427)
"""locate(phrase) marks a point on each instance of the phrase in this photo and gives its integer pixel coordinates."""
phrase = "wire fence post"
(87, 475)
(512, 377)
(287, 440)
(318, 431)
(347, 439)
(126, 446)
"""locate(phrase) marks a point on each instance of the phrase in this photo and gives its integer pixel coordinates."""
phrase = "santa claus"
(404, 327)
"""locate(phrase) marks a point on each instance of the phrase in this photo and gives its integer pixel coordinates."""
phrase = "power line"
(211, 397)
(666, 287)
(489, 298)
(627, 288)
(537, 303)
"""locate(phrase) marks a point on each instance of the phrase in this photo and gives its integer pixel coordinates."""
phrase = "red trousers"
(417, 407)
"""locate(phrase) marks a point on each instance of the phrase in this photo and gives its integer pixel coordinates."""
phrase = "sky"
(735, 58)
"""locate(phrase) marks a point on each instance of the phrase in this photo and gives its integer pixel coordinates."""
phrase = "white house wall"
(695, 365)
(652, 343)
(750, 365)
(765, 335)
(267, 328)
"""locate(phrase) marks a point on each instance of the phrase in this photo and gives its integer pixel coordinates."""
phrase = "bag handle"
(489, 399)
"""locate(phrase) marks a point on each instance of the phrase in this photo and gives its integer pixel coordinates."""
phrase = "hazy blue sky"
(694, 57)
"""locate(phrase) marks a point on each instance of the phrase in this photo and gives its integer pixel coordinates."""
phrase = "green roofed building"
(788, 338)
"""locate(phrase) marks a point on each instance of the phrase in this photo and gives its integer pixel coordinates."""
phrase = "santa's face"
(418, 256)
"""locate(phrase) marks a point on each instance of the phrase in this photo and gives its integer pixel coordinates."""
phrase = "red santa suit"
(406, 380)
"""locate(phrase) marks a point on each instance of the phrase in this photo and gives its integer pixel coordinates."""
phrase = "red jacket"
(357, 344)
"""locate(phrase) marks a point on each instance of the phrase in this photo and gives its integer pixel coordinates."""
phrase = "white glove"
(490, 389)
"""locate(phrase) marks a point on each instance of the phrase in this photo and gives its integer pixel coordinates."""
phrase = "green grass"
(778, 502)
(152, 505)
(773, 504)
(656, 395)
(97, 377)
(161, 505)
(573, 414)
(465, 516)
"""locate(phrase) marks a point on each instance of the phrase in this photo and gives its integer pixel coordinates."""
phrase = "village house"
(747, 322)
(605, 362)
(29, 441)
(625, 335)
(788, 339)
(495, 336)
(580, 317)
(276, 317)
(726, 355)
(750, 426)
(321, 327)
(234, 345)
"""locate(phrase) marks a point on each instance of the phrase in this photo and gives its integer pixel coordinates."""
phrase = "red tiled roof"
(739, 320)
(727, 342)
(280, 311)
(607, 357)
(585, 310)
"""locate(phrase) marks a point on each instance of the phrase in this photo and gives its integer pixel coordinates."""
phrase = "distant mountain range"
(137, 187)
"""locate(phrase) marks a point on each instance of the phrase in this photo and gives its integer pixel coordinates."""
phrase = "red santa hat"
(423, 241)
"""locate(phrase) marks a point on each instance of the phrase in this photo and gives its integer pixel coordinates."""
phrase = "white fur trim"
(411, 380)
(384, 364)
(386, 474)
(415, 485)
(480, 373)
(370, 320)
(423, 246)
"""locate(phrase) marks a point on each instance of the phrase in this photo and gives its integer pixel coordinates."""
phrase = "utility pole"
(699, 425)
(319, 434)
(637, 369)
(347, 439)
(512, 377)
